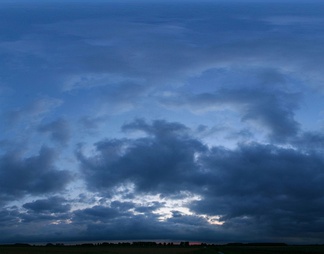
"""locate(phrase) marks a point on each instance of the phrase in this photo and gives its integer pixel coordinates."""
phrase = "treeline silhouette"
(156, 244)
(113, 244)
(257, 244)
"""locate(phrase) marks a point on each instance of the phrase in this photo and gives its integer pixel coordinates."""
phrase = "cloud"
(134, 227)
(122, 98)
(8, 217)
(91, 124)
(158, 128)
(97, 214)
(253, 105)
(154, 164)
(274, 190)
(294, 20)
(255, 192)
(33, 175)
(103, 221)
(50, 205)
(268, 190)
(309, 141)
(149, 209)
(94, 80)
(33, 111)
(32, 226)
(59, 130)
(96, 222)
(230, 161)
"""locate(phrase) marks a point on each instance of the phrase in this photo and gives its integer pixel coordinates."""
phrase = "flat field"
(163, 250)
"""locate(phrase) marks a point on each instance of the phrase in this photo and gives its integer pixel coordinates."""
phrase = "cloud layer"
(165, 121)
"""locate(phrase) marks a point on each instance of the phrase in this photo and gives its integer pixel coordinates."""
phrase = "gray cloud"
(58, 130)
(261, 192)
(275, 190)
(34, 175)
(32, 112)
(158, 128)
(9, 216)
(273, 110)
(103, 221)
(310, 141)
(96, 214)
(51, 205)
(237, 76)
(154, 164)
(90, 124)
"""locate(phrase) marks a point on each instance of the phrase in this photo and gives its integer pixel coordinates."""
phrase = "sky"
(175, 121)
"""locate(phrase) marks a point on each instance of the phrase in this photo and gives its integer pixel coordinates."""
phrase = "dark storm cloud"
(9, 216)
(261, 192)
(42, 217)
(58, 130)
(154, 163)
(51, 205)
(102, 221)
(122, 206)
(278, 191)
(273, 110)
(118, 222)
(37, 174)
(135, 227)
(273, 191)
(34, 226)
(106, 221)
(96, 214)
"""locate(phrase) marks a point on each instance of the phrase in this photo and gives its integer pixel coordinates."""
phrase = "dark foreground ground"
(162, 250)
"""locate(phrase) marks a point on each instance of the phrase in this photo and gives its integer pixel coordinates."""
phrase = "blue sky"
(170, 121)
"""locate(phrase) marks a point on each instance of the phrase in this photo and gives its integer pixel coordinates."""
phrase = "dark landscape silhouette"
(147, 247)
